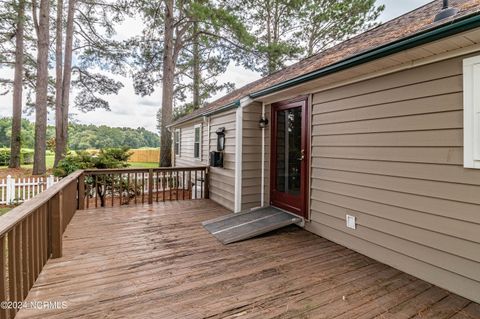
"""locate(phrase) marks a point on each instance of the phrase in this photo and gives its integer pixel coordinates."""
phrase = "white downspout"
(238, 159)
(262, 183)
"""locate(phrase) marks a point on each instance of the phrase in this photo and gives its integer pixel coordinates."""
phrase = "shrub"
(105, 158)
(73, 162)
(26, 156)
(4, 156)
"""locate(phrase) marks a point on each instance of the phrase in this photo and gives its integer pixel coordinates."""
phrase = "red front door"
(289, 156)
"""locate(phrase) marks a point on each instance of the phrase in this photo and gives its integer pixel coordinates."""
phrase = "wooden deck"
(158, 262)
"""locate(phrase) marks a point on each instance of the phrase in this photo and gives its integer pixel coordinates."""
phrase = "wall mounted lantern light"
(263, 122)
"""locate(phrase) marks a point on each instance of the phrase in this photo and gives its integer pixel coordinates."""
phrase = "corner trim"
(238, 159)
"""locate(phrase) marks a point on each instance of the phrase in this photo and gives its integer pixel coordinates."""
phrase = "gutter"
(463, 24)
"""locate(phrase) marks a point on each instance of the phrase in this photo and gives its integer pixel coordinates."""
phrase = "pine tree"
(15, 145)
(43, 38)
(177, 35)
(288, 30)
(90, 26)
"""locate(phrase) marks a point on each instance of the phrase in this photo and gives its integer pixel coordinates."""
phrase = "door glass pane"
(288, 150)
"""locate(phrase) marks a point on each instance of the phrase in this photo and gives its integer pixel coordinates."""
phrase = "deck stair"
(240, 226)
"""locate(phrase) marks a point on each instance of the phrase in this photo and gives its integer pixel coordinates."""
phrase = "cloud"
(395, 8)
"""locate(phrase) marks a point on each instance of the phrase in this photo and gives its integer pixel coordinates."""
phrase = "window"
(197, 143)
(177, 142)
(471, 112)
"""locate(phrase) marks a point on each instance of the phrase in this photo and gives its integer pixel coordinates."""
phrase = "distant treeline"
(83, 136)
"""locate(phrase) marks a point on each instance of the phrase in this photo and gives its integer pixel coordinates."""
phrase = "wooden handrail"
(139, 169)
(32, 233)
(121, 186)
(19, 213)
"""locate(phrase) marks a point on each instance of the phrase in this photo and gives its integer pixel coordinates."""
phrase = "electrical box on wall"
(351, 222)
(216, 159)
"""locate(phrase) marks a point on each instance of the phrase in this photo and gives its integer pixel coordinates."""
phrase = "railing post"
(56, 209)
(49, 181)
(207, 183)
(10, 190)
(150, 186)
(81, 192)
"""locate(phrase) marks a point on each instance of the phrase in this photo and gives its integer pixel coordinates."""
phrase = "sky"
(130, 110)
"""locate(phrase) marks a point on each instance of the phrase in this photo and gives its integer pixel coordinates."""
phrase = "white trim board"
(238, 159)
(471, 112)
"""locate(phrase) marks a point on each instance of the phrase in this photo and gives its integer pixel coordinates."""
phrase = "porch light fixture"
(263, 122)
(220, 139)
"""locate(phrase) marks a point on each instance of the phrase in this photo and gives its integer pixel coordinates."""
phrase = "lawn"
(3, 210)
(143, 165)
(50, 158)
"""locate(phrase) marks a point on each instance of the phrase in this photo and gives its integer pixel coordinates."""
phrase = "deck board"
(158, 262)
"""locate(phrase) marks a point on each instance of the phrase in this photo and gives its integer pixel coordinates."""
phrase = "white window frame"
(199, 127)
(471, 112)
(177, 132)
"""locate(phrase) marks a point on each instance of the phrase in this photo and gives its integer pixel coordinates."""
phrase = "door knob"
(302, 155)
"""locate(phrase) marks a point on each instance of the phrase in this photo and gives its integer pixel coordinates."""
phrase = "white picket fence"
(14, 191)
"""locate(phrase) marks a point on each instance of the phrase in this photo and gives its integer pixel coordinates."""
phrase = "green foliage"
(26, 156)
(214, 27)
(8, 23)
(73, 162)
(4, 156)
(105, 158)
(82, 137)
(112, 158)
(288, 30)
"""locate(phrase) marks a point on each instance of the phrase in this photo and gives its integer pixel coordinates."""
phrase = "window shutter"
(476, 111)
(471, 109)
(197, 141)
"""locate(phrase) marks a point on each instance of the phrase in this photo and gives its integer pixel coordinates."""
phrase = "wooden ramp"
(240, 226)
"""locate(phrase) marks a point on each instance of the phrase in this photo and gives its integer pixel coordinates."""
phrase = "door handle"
(302, 155)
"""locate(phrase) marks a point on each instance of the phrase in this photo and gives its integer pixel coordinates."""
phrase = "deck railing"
(29, 235)
(115, 187)
(32, 233)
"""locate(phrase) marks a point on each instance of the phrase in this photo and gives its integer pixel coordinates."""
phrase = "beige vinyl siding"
(186, 157)
(222, 180)
(252, 156)
(390, 151)
(268, 114)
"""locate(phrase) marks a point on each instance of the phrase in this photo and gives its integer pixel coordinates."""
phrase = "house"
(382, 130)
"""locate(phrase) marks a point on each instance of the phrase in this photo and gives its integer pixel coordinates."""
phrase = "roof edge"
(226, 107)
(462, 24)
(443, 31)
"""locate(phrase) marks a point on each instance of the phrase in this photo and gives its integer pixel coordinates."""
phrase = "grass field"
(50, 158)
(143, 165)
(4, 210)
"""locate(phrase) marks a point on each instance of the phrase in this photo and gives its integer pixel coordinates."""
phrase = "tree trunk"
(39, 165)
(15, 145)
(196, 68)
(58, 79)
(62, 128)
(167, 85)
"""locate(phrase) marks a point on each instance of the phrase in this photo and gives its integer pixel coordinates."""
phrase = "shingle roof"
(404, 26)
